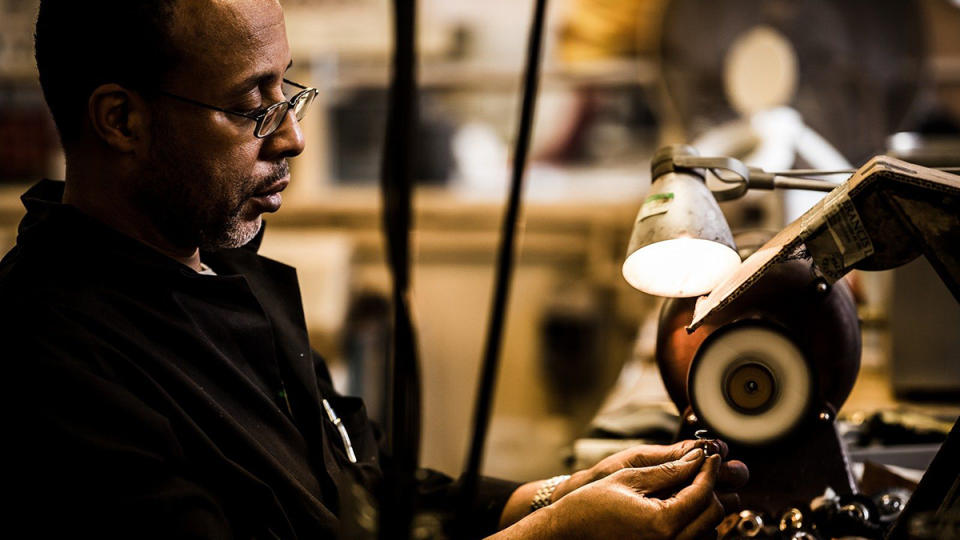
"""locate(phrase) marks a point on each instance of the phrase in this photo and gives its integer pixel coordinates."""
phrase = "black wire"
(504, 270)
(397, 498)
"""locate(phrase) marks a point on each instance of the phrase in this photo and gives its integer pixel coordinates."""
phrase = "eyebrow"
(254, 80)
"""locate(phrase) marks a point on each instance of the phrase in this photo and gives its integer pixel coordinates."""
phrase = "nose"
(287, 141)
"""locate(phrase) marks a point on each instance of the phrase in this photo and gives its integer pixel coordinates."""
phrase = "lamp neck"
(665, 161)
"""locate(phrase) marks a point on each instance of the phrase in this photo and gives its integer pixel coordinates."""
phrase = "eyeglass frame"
(259, 117)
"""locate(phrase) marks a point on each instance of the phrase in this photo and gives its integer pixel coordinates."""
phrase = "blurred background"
(778, 83)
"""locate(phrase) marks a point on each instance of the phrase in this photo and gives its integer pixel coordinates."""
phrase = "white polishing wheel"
(751, 384)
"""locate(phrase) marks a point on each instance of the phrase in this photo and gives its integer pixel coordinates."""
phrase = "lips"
(269, 198)
(276, 187)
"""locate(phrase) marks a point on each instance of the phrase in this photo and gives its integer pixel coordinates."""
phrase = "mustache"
(281, 170)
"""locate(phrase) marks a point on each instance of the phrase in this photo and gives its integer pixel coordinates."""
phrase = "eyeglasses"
(270, 118)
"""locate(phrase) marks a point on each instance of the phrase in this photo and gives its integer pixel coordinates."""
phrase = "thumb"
(667, 477)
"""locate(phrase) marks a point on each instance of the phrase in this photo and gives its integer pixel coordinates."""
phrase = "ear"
(119, 117)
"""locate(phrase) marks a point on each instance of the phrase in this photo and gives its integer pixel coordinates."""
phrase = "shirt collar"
(48, 220)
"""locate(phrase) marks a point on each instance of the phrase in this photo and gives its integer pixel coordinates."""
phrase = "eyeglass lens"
(272, 119)
(276, 114)
(302, 103)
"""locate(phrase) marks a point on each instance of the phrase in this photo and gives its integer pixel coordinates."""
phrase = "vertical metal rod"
(398, 496)
(504, 270)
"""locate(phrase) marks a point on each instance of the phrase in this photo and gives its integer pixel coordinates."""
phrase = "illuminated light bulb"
(680, 267)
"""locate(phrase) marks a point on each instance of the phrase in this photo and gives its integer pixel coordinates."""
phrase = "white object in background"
(760, 71)
(481, 158)
(322, 260)
(760, 80)
(783, 136)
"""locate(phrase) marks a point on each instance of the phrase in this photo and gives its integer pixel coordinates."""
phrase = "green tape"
(660, 197)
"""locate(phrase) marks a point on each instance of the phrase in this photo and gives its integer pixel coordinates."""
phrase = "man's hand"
(732, 475)
(674, 499)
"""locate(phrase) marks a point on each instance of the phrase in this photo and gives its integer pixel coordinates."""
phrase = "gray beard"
(168, 195)
(232, 234)
(184, 208)
(177, 212)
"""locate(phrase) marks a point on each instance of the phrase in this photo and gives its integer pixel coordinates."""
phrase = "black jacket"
(154, 402)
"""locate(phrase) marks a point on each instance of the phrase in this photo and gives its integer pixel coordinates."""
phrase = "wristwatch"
(544, 495)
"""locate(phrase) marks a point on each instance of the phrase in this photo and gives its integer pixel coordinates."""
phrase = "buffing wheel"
(751, 384)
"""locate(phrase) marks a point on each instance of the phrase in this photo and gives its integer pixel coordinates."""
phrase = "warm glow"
(680, 267)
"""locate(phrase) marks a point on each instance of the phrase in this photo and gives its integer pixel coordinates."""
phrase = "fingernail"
(692, 455)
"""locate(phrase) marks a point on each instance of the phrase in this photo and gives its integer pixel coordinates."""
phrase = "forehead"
(227, 40)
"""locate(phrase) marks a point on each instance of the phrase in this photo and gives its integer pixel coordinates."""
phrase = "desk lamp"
(681, 245)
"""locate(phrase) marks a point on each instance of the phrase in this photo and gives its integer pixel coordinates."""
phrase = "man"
(164, 384)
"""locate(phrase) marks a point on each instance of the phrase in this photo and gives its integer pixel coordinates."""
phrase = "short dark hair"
(81, 45)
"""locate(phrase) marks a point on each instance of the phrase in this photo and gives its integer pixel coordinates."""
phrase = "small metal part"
(791, 520)
(822, 287)
(891, 503)
(856, 510)
(692, 418)
(825, 416)
(826, 503)
(705, 440)
(750, 524)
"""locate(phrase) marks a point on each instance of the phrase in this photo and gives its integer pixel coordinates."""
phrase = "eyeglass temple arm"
(298, 85)
(206, 105)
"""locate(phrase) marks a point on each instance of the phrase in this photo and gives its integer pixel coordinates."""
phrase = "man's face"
(206, 179)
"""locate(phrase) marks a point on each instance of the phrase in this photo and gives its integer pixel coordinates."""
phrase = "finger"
(667, 477)
(710, 446)
(704, 525)
(690, 501)
(651, 455)
(733, 475)
(724, 449)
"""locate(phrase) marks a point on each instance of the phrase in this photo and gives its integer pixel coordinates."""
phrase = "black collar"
(51, 223)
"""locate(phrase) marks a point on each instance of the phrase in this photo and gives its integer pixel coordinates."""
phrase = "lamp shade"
(681, 244)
